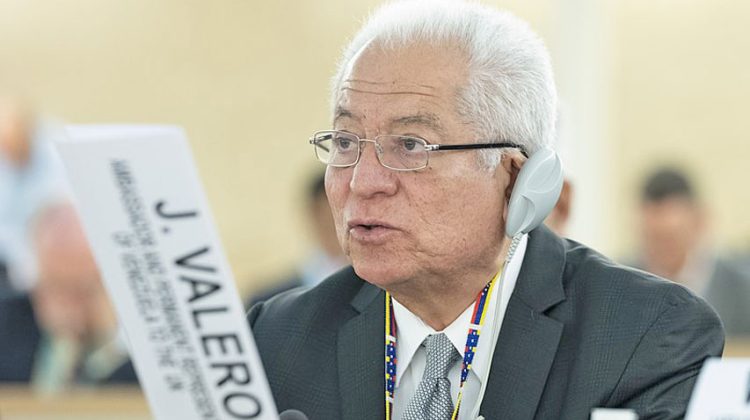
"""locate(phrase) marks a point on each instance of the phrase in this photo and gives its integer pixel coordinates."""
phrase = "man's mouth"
(369, 227)
(368, 224)
(369, 231)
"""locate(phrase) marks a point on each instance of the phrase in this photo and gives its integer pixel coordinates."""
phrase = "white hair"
(510, 92)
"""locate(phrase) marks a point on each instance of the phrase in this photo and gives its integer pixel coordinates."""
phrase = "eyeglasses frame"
(428, 147)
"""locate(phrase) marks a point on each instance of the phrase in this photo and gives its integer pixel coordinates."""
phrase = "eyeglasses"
(399, 153)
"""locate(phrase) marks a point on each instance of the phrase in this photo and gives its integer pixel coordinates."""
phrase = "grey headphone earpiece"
(535, 192)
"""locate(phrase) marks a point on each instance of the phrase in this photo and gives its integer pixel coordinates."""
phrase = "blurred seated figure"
(30, 176)
(65, 331)
(675, 245)
(326, 257)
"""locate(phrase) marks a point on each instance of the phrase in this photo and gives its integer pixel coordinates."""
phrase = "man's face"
(444, 222)
(671, 229)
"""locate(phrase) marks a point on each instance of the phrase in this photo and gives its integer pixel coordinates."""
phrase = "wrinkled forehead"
(417, 83)
(419, 68)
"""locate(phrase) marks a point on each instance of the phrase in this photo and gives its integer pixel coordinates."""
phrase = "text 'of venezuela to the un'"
(182, 300)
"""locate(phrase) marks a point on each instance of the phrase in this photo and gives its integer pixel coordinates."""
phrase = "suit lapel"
(361, 356)
(528, 338)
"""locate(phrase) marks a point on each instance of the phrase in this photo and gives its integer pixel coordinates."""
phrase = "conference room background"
(641, 83)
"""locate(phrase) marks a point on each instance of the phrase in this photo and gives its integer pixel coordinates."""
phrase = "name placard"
(722, 391)
(149, 225)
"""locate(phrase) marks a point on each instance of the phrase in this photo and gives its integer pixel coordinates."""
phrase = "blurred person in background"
(30, 176)
(64, 332)
(675, 244)
(559, 218)
(326, 256)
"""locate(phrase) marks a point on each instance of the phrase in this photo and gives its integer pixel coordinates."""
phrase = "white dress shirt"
(412, 331)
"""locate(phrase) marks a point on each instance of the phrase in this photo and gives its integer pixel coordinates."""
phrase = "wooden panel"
(737, 347)
(122, 403)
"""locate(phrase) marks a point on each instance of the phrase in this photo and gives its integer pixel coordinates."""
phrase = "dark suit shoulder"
(305, 321)
(332, 296)
(288, 283)
(647, 336)
(297, 334)
(591, 272)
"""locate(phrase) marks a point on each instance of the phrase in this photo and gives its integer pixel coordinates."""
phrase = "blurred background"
(643, 84)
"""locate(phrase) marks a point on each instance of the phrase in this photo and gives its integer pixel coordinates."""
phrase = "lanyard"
(481, 305)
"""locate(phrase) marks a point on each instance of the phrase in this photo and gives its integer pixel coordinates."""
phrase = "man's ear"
(507, 172)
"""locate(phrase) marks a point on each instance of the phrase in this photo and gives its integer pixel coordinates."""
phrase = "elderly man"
(397, 335)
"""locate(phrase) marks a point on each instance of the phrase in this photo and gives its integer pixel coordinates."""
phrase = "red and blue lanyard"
(481, 305)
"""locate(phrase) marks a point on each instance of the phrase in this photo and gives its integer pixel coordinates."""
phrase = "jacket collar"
(540, 282)
(528, 340)
(361, 356)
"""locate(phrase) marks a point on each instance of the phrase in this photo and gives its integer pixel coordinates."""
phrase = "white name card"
(722, 391)
(148, 222)
(613, 414)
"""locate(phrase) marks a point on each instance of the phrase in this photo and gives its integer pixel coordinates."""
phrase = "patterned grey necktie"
(432, 401)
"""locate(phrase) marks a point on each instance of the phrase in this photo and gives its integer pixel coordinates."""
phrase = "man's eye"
(409, 144)
(344, 143)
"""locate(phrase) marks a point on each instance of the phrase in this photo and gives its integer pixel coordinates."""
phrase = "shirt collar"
(412, 330)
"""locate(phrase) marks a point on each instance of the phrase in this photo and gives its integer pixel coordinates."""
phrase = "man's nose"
(369, 177)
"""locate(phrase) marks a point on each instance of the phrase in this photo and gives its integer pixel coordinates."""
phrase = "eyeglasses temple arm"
(316, 143)
(433, 147)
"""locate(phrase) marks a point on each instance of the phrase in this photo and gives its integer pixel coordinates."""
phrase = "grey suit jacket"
(580, 332)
